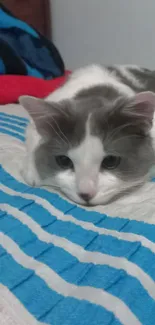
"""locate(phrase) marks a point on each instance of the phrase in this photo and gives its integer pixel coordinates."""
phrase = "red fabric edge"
(12, 87)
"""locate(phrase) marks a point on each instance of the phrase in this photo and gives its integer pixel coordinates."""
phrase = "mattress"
(62, 264)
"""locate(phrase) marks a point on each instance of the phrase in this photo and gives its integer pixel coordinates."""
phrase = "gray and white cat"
(94, 138)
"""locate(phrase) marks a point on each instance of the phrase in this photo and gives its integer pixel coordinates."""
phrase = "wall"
(106, 31)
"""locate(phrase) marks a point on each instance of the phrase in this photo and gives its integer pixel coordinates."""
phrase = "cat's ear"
(45, 114)
(37, 108)
(142, 108)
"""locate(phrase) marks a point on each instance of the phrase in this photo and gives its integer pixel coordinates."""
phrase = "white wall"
(106, 31)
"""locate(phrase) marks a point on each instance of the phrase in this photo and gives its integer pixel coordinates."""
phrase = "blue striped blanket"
(61, 264)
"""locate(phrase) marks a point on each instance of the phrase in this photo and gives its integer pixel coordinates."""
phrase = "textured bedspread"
(64, 265)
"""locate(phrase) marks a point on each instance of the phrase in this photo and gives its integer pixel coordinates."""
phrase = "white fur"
(88, 177)
(85, 78)
(87, 158)
(127, 74)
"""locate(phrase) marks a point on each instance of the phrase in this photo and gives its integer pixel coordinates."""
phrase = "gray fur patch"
(126, 81)
(145, 76)
(105, 92)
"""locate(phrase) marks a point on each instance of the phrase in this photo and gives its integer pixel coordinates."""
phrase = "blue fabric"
(46, 304)
(23, 51)
(2, 67)
(8, 21)
(81, 274)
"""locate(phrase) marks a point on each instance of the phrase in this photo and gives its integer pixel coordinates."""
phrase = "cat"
(93, 139)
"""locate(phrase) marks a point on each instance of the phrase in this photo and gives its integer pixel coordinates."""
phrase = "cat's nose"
(86, 196)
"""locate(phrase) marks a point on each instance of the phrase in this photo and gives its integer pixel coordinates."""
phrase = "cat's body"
(101, 120)
(125, 79)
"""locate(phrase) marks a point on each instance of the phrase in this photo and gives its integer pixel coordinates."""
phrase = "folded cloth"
(12, 87)
(23, 51)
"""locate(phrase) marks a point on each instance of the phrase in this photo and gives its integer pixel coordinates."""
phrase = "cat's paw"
(30, 176)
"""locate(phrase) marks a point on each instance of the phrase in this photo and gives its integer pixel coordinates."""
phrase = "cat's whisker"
(61, 135)
(59, 188)
(115, 132)
(60, 130)
(57, 133)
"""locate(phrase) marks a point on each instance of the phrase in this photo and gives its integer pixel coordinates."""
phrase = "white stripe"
(15, 110)
(55, 282)
(84, 224)
(81, 254)
(12, 312)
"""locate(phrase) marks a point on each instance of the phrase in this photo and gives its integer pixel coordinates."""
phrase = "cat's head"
(92, 149)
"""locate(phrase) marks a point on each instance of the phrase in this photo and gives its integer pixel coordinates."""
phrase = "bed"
(62, 264)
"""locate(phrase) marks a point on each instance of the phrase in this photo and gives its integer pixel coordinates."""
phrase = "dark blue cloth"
(23, 51)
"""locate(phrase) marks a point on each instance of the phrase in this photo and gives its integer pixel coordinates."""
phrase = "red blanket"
(12, 87)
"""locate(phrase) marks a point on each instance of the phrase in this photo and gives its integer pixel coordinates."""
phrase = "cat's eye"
(110, 162)
(64, 162)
